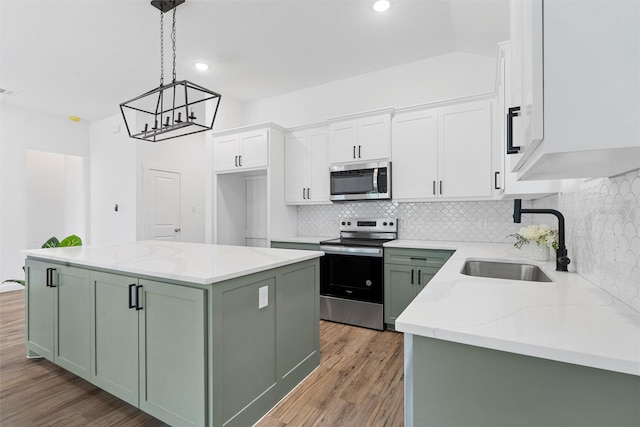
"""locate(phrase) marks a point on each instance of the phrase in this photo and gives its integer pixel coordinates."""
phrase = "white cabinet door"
(415, 155)
(464, 142)
(306, 167)
(318, 166)
(226, 151)
(361, 140)
(343, 137)
(374, 138)
(295, 162)
(254, 149)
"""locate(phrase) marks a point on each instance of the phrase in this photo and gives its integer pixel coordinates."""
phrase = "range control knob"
(349, 223)
(343, 223)
(391, 224)
(384, 223)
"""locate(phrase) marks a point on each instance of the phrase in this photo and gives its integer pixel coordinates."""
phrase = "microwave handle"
(375, 180)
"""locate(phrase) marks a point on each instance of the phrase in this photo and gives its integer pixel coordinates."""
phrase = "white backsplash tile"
(602, 221)
(603, 233)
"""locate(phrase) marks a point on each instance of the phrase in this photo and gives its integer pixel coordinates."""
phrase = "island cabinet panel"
(58, 310)
(148, 343)
(264, 340)
(452, 384)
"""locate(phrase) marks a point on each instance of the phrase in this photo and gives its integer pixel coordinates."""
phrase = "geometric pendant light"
(173, 110)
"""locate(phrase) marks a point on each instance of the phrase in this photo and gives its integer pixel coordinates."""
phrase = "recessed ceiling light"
(74, 118)
(381, 5)
(201, 66)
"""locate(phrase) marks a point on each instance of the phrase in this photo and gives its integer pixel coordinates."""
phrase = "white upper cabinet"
(360, 139)
(575, 81)
(306, 163)
(506, 184)
(443, 152)
(241, 151)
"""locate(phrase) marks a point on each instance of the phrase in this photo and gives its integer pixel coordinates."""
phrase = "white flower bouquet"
(541, 234)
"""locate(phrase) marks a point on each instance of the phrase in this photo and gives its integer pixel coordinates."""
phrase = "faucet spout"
(562, 260)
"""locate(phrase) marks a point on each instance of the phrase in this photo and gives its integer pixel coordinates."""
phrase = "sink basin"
(504, 270)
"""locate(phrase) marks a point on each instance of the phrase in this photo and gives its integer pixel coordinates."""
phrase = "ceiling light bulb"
(74, 118)
(201, 66)
(381, 5)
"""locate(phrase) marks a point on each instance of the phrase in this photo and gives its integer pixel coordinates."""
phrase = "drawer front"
(417, 257)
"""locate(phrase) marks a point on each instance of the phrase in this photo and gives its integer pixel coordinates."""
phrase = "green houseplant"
(53, 242)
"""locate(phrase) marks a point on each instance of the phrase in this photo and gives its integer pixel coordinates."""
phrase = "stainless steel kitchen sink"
(504, 270)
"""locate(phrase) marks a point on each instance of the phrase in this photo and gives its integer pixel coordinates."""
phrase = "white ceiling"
(84, 57)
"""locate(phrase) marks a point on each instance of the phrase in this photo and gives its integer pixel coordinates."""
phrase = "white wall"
(444, 77)
(22, 130)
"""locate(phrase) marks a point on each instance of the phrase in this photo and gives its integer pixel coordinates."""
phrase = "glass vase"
(538, 252)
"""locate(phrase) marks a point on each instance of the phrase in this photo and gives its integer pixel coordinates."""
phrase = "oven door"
(353, 276)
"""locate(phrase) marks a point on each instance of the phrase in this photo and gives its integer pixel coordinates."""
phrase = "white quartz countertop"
(197, 263)
(568, 320)
(303, 239)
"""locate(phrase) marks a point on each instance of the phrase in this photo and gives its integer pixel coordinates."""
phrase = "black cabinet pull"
(235, 161)
(440, 187)
(513, 112)
(138, 306)
(419, 274)
(354, 151)
(359, 150)
(308, 193)
(434, 188)
(240, 161)
(49, 280)
(412, 272)
(132, 291)
(495, 180)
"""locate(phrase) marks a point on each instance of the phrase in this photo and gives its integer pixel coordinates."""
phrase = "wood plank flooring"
(359, 383)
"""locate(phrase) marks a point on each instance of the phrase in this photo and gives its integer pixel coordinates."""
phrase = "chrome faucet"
(562, 260)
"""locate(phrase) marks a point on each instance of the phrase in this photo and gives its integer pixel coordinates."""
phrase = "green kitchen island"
(193, 334)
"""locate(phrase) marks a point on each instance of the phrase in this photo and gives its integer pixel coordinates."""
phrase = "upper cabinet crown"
(360, 138)
(576, 90)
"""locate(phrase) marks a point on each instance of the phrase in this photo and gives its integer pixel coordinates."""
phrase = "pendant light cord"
(173, 41)
(161, 48)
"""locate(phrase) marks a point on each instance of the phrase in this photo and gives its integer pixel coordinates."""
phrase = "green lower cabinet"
(149, 346)
(406, 273)
(58, 314)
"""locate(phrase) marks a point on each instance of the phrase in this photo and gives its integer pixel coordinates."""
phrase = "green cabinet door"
(39, 299)
(72, 340)
(57, 313)
(400, 290)
(114, 341)
(172, 346)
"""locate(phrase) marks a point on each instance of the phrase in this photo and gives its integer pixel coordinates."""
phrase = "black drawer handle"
(419, 274)
(49, 282)
(495, 180)
(418, 259)
(412, 273)
(138, 306)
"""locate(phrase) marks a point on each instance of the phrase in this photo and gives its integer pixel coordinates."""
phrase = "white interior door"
(162, 206)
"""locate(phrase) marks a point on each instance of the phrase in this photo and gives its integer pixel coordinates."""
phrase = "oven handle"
(347, 250)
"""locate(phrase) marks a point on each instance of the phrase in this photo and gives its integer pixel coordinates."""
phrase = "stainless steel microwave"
(363, 181)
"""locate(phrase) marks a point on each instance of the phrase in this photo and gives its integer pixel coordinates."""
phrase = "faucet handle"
(562, 263)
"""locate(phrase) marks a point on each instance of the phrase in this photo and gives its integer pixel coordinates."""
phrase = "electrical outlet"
(263, 297)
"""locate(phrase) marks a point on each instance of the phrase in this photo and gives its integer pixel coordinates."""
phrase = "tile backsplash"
(603, 233)
(602, 220)
(489, 221)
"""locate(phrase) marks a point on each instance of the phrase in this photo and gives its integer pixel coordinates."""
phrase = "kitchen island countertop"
(568, 320)
(196, 263)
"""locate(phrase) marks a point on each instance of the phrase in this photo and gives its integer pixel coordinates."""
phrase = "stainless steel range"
(352, 276)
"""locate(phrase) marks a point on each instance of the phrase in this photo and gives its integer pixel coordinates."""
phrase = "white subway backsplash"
(602, 221)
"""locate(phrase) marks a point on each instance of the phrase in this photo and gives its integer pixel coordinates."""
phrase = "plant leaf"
(51, 243)
(14, 281)
(71, 240)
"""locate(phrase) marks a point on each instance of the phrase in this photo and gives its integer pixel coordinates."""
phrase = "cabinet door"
(374, 138)
(415, 148)
(226, 150)
(114, 323)
(39, 311)
(343, 141)
(254, 152)
(72, 313)
(172, 348)
(464, 142)
(318, 166)
(296, 156)
(399, 290)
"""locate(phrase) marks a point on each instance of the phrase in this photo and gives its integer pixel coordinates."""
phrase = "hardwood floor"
(359, 383)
